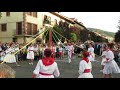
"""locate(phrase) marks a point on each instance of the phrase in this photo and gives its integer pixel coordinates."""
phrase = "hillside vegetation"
(106, 33)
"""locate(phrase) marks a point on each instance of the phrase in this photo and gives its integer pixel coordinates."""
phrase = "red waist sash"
(86, 71)
(46, 74)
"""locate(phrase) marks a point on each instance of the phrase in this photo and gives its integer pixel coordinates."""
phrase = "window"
(29, 29)
(19, 28)
(3, 27)
(34, 14)
(28, 13)
(34, 29)
(7, 13)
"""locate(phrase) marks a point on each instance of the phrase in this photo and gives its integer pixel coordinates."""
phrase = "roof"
(71, 20)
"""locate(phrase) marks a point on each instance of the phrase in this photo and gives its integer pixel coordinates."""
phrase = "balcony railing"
(18, 32)
(29, 33)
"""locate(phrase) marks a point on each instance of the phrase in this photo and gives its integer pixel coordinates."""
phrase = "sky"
(107, 21)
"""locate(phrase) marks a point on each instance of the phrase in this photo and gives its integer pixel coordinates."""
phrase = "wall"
(11, 25)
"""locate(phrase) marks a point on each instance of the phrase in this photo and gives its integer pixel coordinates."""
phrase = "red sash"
(86, 71)
(46, 74)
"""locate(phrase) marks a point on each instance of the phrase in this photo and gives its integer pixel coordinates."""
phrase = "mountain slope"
(106, 33)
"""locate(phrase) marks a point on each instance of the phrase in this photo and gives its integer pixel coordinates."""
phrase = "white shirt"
(30, 49)
(104, 53)
(51, 69)
(61, 49)
(110, 55)
(70, 48)
(0, 49)
(82, 66)
(91, 50)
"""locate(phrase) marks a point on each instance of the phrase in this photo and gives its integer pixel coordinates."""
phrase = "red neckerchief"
(110, 49)
(47, 61)
(85, 59)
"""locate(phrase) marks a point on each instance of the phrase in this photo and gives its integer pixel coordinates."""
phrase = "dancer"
(110, 66)
(103, 58)
(30, 53)
(70, 50)
(10, 57)
(85, 66)
(47, 67)
(60, 52)
(91, 52)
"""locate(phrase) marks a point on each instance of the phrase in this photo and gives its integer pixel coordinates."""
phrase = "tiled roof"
(67, 19)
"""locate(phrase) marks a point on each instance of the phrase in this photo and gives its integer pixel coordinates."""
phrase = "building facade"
(21, 26)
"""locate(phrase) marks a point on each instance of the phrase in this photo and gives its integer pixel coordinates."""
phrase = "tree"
(57, 29)
(73, 37)
(117, 34)
(76, 29)
(55, 36)
(84, 35)
(65, 29)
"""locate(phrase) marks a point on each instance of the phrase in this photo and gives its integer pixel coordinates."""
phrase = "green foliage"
(73, 37)
(111, 34)
(84, 35)
(117, 36)
(65, 29)
(96, 38)
(55, 36)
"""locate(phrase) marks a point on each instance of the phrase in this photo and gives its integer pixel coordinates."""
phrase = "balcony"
(28, 33)
(18, 32)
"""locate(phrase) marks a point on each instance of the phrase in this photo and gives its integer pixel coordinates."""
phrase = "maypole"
(50, 38)
(50, 44)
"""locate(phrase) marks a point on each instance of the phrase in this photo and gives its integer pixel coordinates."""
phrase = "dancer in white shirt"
(70, 50)
(85, 67)
(103, 58)
(47, 67)
(91, 51)
(10, 57)
(110, 66)
(60, 52)
(30, 53)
